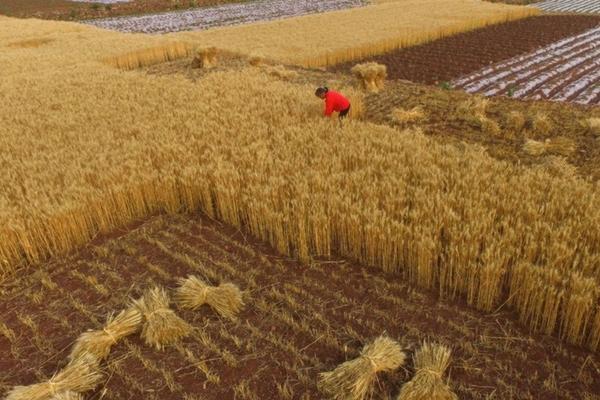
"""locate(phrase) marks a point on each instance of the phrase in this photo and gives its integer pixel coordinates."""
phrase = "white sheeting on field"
(574, 6)
(222, 15)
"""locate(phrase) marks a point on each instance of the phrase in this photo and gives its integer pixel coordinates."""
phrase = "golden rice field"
(361, 32)
(92, 144)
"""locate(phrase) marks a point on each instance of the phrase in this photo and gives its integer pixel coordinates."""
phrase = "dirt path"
(449, 58)
(299, 321)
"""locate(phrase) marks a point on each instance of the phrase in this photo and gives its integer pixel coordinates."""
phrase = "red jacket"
(335, 102)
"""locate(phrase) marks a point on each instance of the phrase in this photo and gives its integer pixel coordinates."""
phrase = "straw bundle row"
(80, 375)
(353, 380)
(161, 325)
(225, 299)
(371, 75)
(431, 361)
(205, 58)
(99, 342)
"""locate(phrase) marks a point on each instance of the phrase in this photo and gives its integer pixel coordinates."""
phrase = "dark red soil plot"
(448, 58)
(298, 321)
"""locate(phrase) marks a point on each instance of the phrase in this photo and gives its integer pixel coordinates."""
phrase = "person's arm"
(328, 107)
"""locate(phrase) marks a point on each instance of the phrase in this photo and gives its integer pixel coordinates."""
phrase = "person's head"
(321, 92)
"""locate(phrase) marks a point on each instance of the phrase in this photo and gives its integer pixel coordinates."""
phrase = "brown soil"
(72, 11)
(299, 321)
(451, 57)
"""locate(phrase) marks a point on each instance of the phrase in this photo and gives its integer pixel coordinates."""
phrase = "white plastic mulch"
(567, 70)
(222, 15)
(574, 6)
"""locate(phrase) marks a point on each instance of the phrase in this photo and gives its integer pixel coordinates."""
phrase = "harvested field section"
(298, 321)
(448, 58)
(567, 70)
(328, 39)
(223, 15)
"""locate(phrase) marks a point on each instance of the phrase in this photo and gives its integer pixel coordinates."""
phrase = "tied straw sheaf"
(99, 342)
(225, 299)
(431, 361)
(80, 375)
(161, 325)
(354, 379)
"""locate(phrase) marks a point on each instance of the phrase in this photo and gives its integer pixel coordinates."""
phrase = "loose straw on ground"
(225, 299)
(431, 360)
(99, 342)
(80, 375)
(353, 380)
(161, 325)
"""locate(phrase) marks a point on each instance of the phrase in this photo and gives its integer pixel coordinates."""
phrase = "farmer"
(334, 101)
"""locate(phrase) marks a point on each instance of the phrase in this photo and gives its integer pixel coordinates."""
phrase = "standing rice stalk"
(431, 361)
(80, 375)
(353, 380)
(99, 342)
(161, 325)
(225, 299)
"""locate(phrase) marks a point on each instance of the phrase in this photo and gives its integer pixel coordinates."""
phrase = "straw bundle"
(68, 395)
(593, 125)
(515, 121)
(161, 325)
(534, 148)
(98, 343)
(281, 72)
(353, 380)
(473, 106)
(225, 299)
(256, 60)
(431, 360)
(488, 125)
(205, 58)
(540, 124)
(403, 116)
(561, 145)
(372, 75)
(80, 375)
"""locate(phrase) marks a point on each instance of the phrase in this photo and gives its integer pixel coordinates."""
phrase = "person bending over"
(334, 101)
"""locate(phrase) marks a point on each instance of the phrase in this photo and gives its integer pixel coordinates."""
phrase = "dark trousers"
(344, 113)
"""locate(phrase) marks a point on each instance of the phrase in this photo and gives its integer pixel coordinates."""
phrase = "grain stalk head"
(353, 380)
(225, 299)
(431, 361)
(161, 325)
(99, 342)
